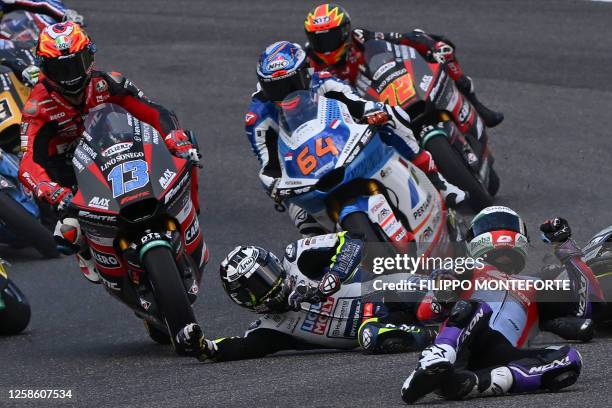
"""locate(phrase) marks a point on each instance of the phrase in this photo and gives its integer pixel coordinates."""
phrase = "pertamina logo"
(318, 316)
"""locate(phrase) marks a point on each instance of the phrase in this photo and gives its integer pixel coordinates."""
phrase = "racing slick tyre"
(27, 228)
(14, 309)
(169, 291)
(358, 224)
(158, 336)
(455, 170)
(494, 182)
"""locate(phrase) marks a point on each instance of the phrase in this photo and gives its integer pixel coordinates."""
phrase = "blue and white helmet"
(282, 69)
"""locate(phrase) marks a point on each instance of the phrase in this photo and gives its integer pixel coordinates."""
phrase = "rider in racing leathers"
(312, 300)
(333, 47)
(52, 124)
(26, 72)
(477, 350)
(282, 69)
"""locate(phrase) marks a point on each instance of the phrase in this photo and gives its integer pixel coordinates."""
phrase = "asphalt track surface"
(545, 64)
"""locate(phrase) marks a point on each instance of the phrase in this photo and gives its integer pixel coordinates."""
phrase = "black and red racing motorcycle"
(444, 121)
(137, 207)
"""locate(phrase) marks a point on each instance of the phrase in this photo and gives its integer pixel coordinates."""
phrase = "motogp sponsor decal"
(193, 232)
(318, 317)
(116, 148)
(109, 261)
(99, 202)
(166, 178)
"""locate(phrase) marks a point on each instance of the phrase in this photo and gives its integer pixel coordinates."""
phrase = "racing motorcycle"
(20, 215)
(444, 121)
(347, 178)
(134, 204)
(14, 307)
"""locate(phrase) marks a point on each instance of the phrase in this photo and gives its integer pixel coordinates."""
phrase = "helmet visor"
(328, 40)
(258, 286)
(277, 88)
(69, 70)
(496, 222)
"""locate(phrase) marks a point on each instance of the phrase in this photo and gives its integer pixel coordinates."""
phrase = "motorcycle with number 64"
(136, 209)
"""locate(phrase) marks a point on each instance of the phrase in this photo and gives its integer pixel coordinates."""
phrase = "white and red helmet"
(499, 236)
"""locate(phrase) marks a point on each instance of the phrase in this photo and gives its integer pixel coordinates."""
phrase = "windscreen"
(298, 108)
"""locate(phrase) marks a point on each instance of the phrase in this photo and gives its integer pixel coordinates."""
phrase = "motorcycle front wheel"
(15, 315)
(169, 291)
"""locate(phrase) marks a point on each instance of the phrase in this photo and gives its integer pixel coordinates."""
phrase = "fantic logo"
(97, 202)
(116, 148)
(557, 363)
(105, 260)
(192, 232)
(318, 316)
(166, 178)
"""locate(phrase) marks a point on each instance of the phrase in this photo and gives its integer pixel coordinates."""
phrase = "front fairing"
(121, 160)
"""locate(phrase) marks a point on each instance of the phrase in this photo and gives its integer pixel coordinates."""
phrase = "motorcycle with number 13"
(137, 207)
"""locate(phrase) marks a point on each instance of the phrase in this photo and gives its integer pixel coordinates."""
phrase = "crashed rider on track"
(52, 124)
(311, 300)
(29, 73)
(333, 47)
(477, 351)
(282, 69)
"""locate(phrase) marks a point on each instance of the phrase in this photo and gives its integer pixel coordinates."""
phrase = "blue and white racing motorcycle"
(347, 178)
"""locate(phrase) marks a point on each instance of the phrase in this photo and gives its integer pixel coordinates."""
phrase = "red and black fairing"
(129, 187)
(398, 75)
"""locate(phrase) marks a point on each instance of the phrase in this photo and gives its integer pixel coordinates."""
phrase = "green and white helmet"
(499, 236)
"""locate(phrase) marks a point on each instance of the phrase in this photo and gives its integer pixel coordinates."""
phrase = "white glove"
(72, 15)
(30, 75)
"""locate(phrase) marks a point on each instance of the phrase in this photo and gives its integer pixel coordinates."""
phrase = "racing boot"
(484, 383)
(435, 366)
(490, 117)
(69, 240)
(453, 195)
(380, 338)
(571, 328)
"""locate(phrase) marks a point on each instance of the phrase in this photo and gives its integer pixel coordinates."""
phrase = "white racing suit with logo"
(478, 349)
(343, 320)
(262, 128)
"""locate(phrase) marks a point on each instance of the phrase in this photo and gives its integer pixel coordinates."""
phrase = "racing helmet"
(67, 56)
(499, 236)
(282, 69)
(254, 278)
(328, 28)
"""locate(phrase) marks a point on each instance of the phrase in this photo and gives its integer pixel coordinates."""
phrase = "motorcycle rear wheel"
(27, 228)
(455, 170)
(169, 291)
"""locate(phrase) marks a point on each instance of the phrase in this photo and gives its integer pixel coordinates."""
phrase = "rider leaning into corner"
(282, 69)
(477, 351)
(333, 47)
(29, 73)
(53, 123)
(313, 299)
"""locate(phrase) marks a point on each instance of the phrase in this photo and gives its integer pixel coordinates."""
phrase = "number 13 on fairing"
(137, 172)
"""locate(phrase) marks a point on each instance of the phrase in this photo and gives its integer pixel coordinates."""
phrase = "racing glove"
(442, 53)
(54, 194)
(30, 75)
(304, 292)
(556, 230)
(179, 144)
(193, 342)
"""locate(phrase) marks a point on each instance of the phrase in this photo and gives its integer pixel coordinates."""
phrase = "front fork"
(134, 250)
